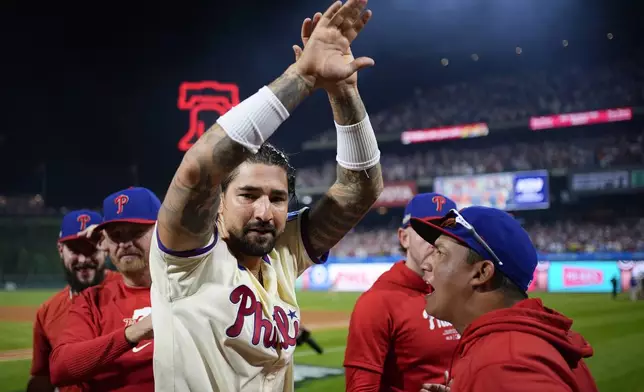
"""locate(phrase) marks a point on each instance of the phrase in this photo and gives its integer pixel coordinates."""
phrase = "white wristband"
(254, 120)
(357, 146)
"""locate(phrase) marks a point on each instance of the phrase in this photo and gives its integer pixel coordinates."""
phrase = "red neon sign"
(206, 96)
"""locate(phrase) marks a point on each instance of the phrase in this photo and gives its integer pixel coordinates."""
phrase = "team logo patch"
(439, 201)
(137, 315)
(120, 201)
(83, 219)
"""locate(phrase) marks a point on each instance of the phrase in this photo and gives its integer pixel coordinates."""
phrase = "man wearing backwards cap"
(393, 345)
(108, 342)
(481, 269)
(84, 266)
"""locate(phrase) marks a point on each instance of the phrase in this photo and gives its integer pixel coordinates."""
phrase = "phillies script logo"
(83, 220)
(204, 97)
(396, 194)
(250, 309)
(120, 201)
(137, 315)
(582, 276)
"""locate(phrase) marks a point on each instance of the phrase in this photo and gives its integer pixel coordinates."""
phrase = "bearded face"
(83, 262)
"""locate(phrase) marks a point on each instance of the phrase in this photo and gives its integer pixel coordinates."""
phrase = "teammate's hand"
(142, 330)
(438, 387)
(90, 233)
(326, 58)
(435, 388)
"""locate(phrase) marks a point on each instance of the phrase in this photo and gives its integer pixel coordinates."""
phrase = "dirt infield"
(323, 319)
(18, 313)
(313, 320)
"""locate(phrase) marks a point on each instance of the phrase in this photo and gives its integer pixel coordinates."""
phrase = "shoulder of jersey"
(112, 276)
(93, 293)
(53, 303)
(380, 295)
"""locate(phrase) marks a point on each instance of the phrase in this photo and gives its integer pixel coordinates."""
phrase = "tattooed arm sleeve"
(352, 194)
(189, 210)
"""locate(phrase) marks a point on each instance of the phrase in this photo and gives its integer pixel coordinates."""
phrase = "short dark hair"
(499, 281)
(267, 155)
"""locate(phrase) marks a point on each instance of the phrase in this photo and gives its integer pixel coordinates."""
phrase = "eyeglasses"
(461, 221)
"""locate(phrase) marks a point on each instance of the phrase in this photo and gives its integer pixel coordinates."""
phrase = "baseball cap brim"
(69, 238)
(429, 230)
(102, 225)
(430, 218)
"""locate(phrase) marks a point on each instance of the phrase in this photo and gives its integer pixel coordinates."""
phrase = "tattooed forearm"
(347, 107)
(188, 215)
(343, 206)
(291, 89)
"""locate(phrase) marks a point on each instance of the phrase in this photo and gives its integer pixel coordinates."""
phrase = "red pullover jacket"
(527, 347)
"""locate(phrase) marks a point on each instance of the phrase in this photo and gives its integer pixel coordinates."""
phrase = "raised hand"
(326, 58)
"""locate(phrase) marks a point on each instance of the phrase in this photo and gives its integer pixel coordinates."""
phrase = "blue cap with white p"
(427, 206)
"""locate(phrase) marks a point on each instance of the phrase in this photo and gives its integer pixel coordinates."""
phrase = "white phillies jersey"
(215, 327)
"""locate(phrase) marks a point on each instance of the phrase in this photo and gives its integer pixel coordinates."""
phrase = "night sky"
(90, 90)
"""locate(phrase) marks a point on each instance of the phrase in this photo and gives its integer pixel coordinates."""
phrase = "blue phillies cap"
(502, 233)
(427, 206)
(77, 221)
(134, 205)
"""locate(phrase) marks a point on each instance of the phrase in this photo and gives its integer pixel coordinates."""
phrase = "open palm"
(327, 38)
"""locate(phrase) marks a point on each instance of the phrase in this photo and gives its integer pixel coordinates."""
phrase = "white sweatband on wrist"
(357, 146)
(254, 120)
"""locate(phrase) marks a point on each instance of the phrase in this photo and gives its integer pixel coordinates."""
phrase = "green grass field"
(614, 328)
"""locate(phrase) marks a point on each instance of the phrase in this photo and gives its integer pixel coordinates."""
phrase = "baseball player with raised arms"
(107, 344)
(226, 252)
(393, 345)
(84, 266)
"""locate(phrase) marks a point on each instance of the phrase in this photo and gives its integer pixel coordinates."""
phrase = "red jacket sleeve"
(41, 349)
(503, 377)
(361, 380)
(370, 331)
(80, 352)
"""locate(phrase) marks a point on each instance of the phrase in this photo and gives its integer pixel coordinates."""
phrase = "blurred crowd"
(596, 152)
(560, 237)
(504, 99)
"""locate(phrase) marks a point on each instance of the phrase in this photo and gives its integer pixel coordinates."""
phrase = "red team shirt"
(93, 347)
(50, 321)
(392, 342)
(526, 347)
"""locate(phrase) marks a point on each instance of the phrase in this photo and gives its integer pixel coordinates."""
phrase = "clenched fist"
(141, 330)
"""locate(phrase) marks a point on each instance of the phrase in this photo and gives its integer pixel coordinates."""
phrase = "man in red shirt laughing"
(393, 345)
(107, 344)
(481, 269)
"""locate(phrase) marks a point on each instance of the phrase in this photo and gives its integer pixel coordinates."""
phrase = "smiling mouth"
(84, 268)
(261, 232)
